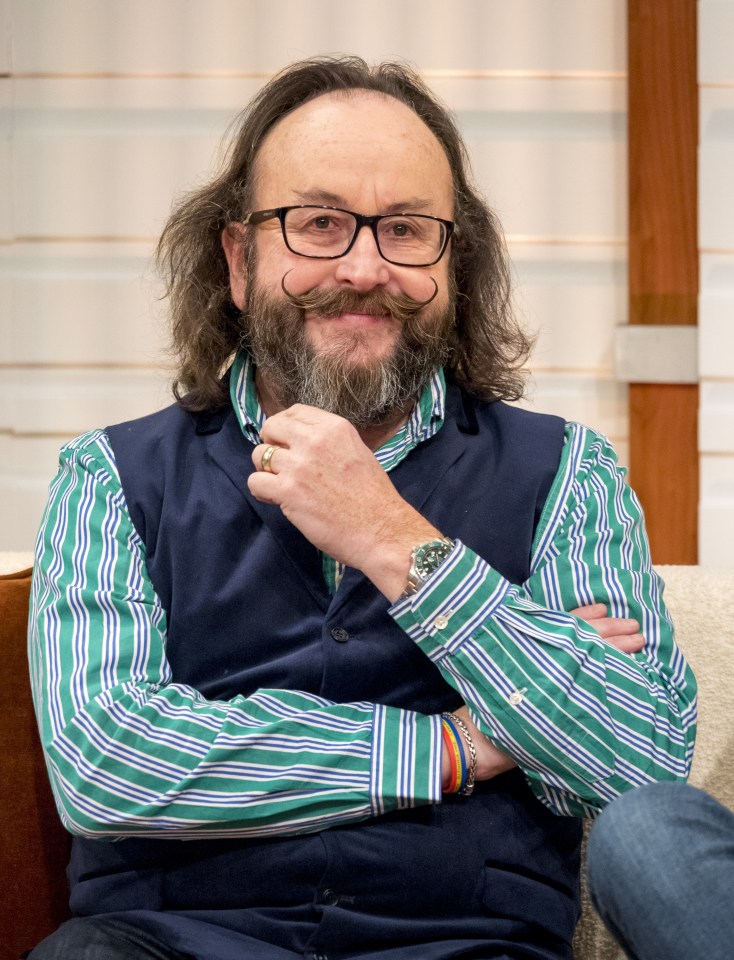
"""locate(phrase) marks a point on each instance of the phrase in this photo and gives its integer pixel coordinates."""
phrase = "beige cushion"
(13, 562)
(701, 602)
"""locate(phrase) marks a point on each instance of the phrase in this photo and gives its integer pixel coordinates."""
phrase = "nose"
(363, 268)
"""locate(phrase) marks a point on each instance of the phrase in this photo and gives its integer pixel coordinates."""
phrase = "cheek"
(275, 262)
(423, 287)
(303, 274)
(421, 283)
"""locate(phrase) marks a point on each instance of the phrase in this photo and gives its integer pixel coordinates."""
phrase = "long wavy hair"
(488, 347)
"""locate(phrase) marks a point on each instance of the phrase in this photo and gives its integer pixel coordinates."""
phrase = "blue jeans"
(105, 938)
(116, 937)
(660, 867)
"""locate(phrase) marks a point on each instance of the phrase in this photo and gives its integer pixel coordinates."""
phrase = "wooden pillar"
(663, 262)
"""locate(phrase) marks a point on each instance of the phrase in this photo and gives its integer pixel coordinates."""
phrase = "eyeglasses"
(325, 233)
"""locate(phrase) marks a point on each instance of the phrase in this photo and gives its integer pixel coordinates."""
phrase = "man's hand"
(623, 633)
(491, 761)
(328, 483)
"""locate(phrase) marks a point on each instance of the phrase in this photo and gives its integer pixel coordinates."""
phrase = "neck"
(372, 436)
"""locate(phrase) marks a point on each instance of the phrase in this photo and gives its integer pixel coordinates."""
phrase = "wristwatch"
(425, 559)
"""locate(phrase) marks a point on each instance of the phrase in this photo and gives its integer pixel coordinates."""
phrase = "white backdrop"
(110, 109)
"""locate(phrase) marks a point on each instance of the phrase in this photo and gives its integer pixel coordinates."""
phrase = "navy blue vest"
(247, 607)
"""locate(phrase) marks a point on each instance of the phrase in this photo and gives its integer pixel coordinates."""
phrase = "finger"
(263, 457)
(631, 643)
(277, 430)
(298, 420)
(615, 627)
(592, 611)
(263, 487)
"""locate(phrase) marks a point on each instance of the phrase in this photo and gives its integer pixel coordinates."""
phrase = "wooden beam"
(663, 261)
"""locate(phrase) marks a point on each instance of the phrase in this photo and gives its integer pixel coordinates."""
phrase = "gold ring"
(266, 458)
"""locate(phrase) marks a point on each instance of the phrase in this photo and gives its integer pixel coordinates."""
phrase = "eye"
(401, 228)
(321, 223)
(407, 230)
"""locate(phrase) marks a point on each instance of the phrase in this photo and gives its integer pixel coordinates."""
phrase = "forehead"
(361, 149)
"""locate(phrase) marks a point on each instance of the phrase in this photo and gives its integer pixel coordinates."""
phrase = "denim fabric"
(124, 937)
(103, 938)
(661, 873)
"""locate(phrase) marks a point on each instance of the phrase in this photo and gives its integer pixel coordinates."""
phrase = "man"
(294, 619)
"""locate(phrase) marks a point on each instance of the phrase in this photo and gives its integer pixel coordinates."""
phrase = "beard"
(367, 393)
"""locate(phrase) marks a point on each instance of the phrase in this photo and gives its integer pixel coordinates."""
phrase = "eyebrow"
(416, 204)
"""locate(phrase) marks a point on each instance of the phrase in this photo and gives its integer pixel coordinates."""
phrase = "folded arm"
(132, 753)
(584, 719)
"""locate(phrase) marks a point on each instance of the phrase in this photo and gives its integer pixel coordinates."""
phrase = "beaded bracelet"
(465, 788)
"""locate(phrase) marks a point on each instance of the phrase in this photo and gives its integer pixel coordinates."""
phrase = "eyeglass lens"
(409, 239)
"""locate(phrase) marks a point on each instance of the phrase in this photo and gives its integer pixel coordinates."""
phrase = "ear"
(232, 242)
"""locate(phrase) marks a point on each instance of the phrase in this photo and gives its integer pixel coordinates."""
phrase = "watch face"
(431, 556)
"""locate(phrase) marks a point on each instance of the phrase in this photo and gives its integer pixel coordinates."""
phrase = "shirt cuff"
(406, 759)
(452, 604)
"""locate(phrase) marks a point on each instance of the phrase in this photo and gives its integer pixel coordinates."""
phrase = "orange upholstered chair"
(34, 847)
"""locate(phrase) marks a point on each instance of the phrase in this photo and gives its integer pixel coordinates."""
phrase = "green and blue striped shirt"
(130, 752)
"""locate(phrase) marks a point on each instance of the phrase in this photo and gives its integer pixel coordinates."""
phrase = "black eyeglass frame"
(260, 216)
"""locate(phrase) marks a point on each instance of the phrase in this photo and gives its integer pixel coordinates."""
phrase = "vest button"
(331, 898)
(340, 634)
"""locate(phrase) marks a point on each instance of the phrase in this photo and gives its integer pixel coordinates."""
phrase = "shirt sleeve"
(130, 752)
(583, 720)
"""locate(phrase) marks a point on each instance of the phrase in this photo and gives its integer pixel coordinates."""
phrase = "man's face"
(370, 154)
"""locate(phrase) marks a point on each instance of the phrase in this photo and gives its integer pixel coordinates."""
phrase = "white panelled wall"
(110, 109)
(716, 316)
